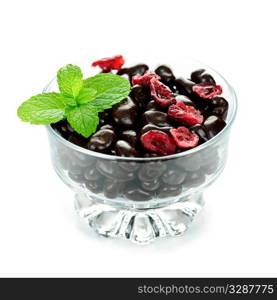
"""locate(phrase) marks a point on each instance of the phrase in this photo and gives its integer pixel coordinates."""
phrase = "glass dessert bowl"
(143, 198)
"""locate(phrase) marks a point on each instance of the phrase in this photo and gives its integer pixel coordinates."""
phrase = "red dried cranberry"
(207, 90)
(110, 63)
(184, 138)
(158, 142)
(185, 114)
(161, 93)
(145, 78)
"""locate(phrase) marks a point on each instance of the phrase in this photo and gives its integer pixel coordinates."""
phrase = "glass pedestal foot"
(141, 226)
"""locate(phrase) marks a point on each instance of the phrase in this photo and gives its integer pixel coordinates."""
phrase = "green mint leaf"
(67, 109)
(110, 88)
(70, 80)
(86, 95)
(104, 103)
(84, 119)
(43, 109)
(70, 100)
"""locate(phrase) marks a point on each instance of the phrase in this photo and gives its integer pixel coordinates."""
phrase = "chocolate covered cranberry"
(112, 170)
(173, 176)
(105, 117)
(135, 193)
(194, 179)
(124, 149)
(129, 166)
(210, 156)
(62, 127)
(211, 168)
(79, 178)
(112, 188)
(108, 126)
(201, 75)
(166, 75)
(64, 159)
(123, 71)
(169, 191)
(189, 163)
(157, 118)
(150, 185)
(140, 95)
(132, 71)
(219, 107)
(205, 109)
(138, 69)
(83, 160)
(102, 140)
(129, 136)
(91, 174)
(214, 125)
(73, 167)
(196, 75)
(95, 186)
(70, 129)
(151, 171)
(153, 105)
(149, 127)
(77, 139)
(184, 86)
(201, 131)
(125, 113)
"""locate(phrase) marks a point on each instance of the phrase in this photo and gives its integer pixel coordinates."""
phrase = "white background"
(236, 233)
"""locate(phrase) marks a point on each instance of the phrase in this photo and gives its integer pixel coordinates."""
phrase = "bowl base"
(139, 226)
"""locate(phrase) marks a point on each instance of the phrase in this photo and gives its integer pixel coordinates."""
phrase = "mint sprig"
(84, 118)
(79, 101)
(70, 80)
(109, 88)
(42, 109)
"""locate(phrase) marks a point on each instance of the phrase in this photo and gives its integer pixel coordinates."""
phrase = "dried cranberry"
(185, 114)
(159, 142)
(145, 78)
(184, 138)
(110, 63)
(207, 90)
(161, 93)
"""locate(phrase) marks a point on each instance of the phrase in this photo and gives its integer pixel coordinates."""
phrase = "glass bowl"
(142, 199)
